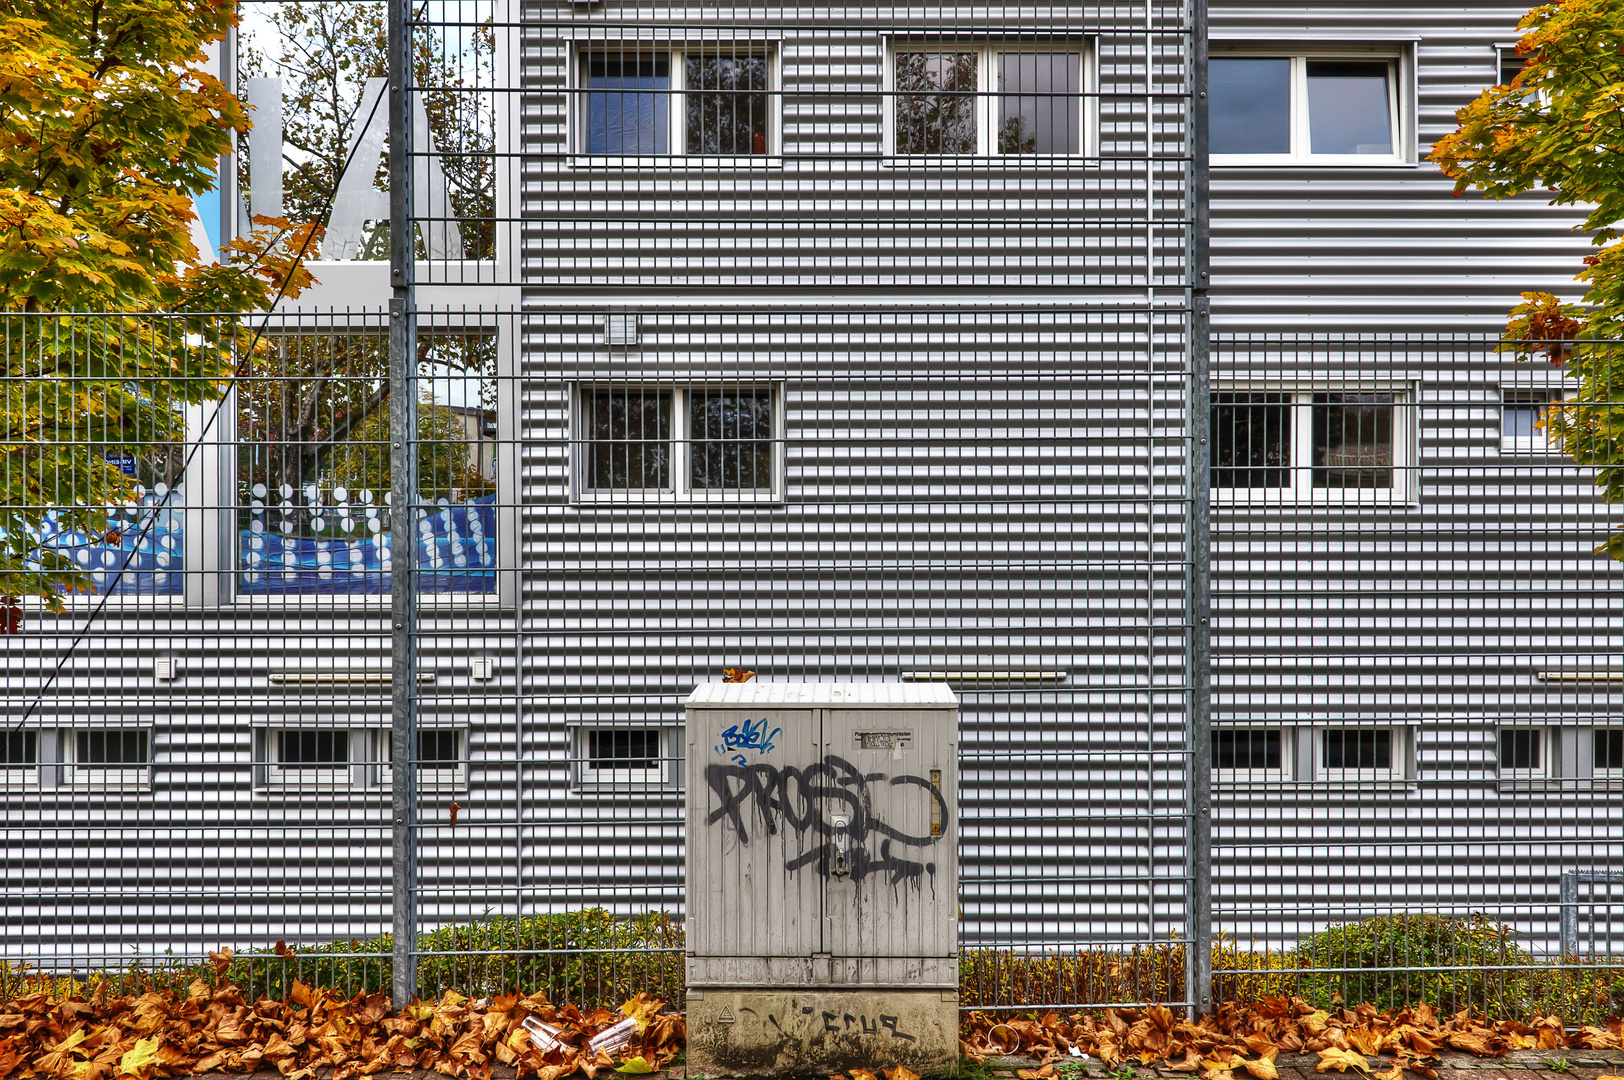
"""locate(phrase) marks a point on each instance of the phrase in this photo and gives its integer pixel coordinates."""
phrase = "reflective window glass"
(1039, 110)
(936, 103)
(725, 99)
(628, 439)
(1353, 440)
(1350, 107)
(1250, 105)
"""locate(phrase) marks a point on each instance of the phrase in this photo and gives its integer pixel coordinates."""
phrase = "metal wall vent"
(620, 329)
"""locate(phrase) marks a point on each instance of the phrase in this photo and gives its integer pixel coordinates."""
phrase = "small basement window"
(310, 757)
(19, 758)
(1607, 753)
(110, 757)
(1360, 753)
(1241, 754)
(1523, 753)
(440, 758)
(622, 756)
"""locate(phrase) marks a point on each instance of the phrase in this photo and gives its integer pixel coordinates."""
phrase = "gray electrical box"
(822, 912)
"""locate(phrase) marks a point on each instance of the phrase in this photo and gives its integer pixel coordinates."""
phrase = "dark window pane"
(1039, 110)
(726, 103)
(1510, 65)
(111, 747)
(1519, 748)
(1349, 107)
(438, 749)
(627, 103)
(1353, 440)
(1250, 105)
(731, 439)
(936, 103)
(617, 749)
(1609, 748)
(313, 747)
(1356, 748)
(628, 439)
(19, 748)
(1251, 440)
(1248, 748)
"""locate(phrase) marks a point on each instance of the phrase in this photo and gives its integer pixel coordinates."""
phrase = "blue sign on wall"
(124, 463)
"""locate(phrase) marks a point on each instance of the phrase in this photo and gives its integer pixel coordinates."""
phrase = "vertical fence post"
(1198, 959)
(1570, 913)
(402, 519)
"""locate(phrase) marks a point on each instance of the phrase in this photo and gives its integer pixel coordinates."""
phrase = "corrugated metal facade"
(1443, 613)
(978, 370)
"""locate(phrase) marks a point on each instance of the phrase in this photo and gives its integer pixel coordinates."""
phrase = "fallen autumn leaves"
(215, 1029)
(1246, 1039)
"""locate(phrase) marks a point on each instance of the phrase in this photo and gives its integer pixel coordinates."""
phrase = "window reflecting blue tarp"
(456, 553)
(147, 542)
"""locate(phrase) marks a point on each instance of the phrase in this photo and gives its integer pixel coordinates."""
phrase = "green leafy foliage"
(109, 323)
(1432, 947)
(1559, 127)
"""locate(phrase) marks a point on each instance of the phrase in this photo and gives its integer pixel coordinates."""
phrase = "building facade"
(861, 344)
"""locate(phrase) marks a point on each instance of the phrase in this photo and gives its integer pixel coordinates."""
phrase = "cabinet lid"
(823, 695)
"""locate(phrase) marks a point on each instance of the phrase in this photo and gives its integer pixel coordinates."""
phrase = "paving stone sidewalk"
(1521, 1065)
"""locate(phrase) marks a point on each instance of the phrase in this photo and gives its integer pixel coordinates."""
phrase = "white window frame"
(1242, 776)
(1540, 442)
(681, 490)
(1401, 100)
(272, 775)
(1302, 489)
(987, 51)
(454, 778)
(100, 776)
(1399, 751)
(1546, 749)
(663, 775)
(676, 98)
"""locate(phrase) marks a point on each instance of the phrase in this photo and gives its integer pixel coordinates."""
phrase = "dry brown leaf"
(1341, 1061)
(1262, 1068)
(1365, 1041)
(861, 1074)
(902, 1072)
(1395, 1073)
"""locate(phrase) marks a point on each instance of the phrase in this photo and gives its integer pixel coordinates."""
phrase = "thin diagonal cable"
(197, 444)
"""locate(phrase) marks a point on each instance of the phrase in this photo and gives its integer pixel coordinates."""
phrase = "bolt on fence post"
(403, 484)
(1198, 960)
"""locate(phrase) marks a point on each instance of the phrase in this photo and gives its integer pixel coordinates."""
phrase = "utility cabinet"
(822, 906)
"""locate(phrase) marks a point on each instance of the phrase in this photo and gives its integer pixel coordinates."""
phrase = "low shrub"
(1450, 964)
(587, 957)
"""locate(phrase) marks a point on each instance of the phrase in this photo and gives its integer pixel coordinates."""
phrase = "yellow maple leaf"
(1341, 1061)
(139, 1060)
(635, 1066)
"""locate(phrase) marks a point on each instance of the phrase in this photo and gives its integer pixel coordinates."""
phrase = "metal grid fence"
(832, 347)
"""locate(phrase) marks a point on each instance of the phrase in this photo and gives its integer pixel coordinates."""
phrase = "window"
(19, 758)
(1521, 411)
(680, 101)
(699, 443)
(313, 757)
(314, 508)
(1309, 444)
(621, 756)
(1323, 108)
(1240, 754)
(1607, 753)
(440, 758)
(1508, 63)
(110, 757)
(1360, 753)
(1523, 753)
(990, 99)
